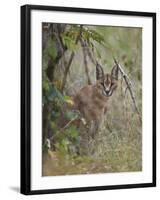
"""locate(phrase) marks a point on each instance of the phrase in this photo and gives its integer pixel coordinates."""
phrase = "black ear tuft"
(114, 72)
(99, 72)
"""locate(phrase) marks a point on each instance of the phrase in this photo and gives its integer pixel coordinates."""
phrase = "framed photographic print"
(88, 99)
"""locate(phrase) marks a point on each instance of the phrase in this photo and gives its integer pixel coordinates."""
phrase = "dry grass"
(118, 145)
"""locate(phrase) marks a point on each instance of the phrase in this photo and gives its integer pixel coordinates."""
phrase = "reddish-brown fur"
(92, 100)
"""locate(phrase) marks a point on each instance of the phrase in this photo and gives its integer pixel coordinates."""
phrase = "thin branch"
(129, 87)
(85, 61)
(63, 128)
(92, 57)
(61, 47)
(68, 124)
(70, 61)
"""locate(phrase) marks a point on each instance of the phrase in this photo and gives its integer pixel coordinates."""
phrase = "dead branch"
(61, 47)
(85, 61)
(129, 87)
(70, 61)
(91, 55)
(60, 131)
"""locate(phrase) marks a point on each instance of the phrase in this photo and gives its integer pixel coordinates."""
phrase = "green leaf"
(89, 34)
(45, 85)
(96, 36)
(71, 115)
(66, 98)
(69, 42)
(53, 126)
(63, 146)
(51, 49)
(54, 93)
(72, 132)
(55, 115)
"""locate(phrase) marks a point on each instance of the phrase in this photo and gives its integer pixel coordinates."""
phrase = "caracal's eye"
(102, 84)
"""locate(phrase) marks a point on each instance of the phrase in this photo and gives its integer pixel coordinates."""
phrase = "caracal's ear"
(114, 72)
(99, 72)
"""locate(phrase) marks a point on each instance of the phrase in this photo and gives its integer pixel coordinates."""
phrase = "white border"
(42, 183)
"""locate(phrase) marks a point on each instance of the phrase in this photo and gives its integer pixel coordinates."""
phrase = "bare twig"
(91, 55)
(85, 61)
(63, 128)
(61, 47)
(129, 87)
(70, 122)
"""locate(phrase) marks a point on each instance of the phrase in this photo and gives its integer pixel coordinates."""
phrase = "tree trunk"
(51, 30)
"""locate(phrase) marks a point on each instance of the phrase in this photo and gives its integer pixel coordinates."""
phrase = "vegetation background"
(69, 56)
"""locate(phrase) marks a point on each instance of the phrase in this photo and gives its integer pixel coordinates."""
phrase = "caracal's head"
(107, 83)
